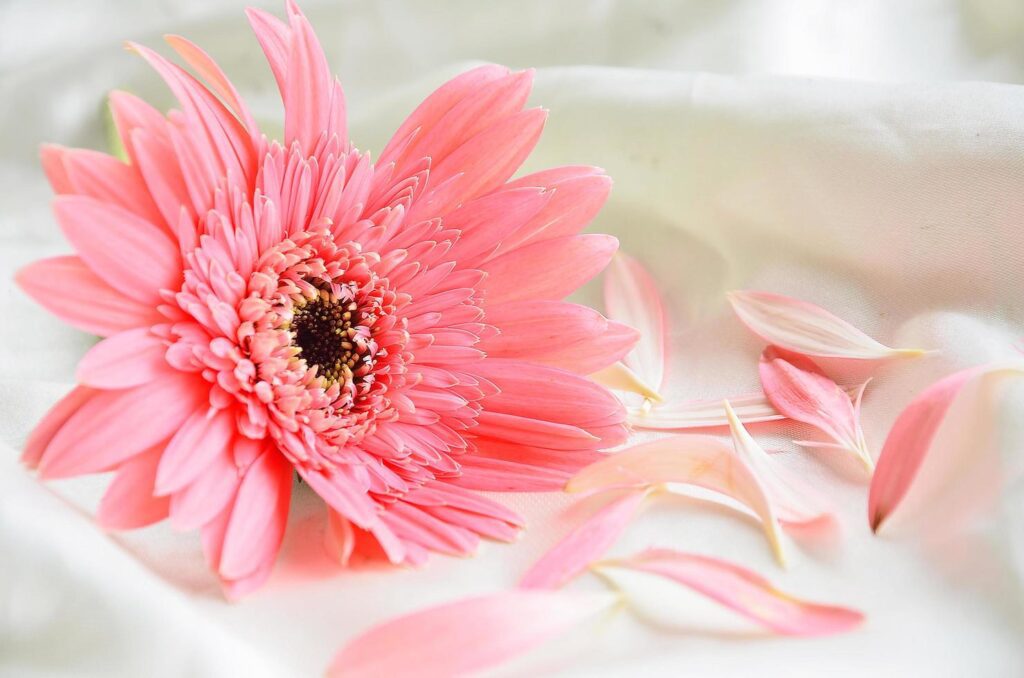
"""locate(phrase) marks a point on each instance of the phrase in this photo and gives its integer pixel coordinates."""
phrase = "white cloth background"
(824, 150)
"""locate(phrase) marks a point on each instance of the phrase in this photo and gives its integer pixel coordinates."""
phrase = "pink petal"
(342, 494)
(69, 289)
(484, 222)
(501, 475)
(258, 518)
(51, 156)
(52, 422)
(129, 501)
(912, 436)
(584, 545)
(798, 389)
(313, 103)
(632, 298)
(466, 636)
(126, 359)
(548, 393)
(484, 108)
(115, 425)
(745, 592)
(482, 163)
(107, 179)
(556, 333)
(551, 269)
(274, 37)
(790, 498)
(579, 193)
(696, 460)
(804, 328)
(205, 435)
(204, 499)
(208, 69)
(132, 255)
(429, 113)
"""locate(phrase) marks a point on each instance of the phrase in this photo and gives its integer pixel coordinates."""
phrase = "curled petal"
(911, 437)
(804, 328)
(631, 297)
(797, 388)
(744, 592)
(583, 545)
(468, 635)
(701, 461)
(789, 499)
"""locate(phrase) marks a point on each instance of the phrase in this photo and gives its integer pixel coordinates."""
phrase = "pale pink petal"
(69, 289)
(751, 408)
(134, 256)
(202, 437)
(538, 271)
(258, 518)
(911, 437)
(684, 414)
(632, 298)
(696, 460)
(54, 419)
(116, 425)
(804, 328)
(584, 545)
(468, 635)
(792, 500)
(620, 378)
(798, 389)
(126, 359)
(129, 501)
(744, 592)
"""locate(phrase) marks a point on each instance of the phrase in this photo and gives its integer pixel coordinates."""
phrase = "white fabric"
(897, 206)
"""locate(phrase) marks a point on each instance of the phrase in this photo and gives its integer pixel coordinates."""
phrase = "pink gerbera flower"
(390, 331)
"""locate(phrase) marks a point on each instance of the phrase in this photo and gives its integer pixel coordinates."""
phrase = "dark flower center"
(326, 331)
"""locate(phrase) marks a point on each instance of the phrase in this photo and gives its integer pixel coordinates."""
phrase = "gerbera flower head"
(392, 332)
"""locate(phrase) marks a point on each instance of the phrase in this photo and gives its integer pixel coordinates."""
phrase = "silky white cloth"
(895, 203)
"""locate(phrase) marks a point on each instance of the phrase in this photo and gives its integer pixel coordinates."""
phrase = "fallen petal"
(697, 460)
(912, 435)
(583, 545)
(789, 500)
(467, 635)
(620, 378)
(631, 298)
(798, 389)
(744, 592)
(804, 328)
